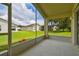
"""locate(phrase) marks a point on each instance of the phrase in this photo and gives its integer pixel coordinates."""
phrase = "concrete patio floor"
(55, 46)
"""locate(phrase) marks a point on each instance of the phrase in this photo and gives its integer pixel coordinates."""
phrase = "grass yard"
(27, 35)
(18, 36)
(65, 34)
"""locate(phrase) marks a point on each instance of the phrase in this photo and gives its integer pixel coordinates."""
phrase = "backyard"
(26, 35)
(64, 34)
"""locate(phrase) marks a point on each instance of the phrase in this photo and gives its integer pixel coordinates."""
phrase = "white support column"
(74, 29)
(35, 26)
(46, 28)
(9, 30)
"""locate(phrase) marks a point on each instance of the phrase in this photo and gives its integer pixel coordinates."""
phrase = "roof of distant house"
(6, 21)
(30, 25)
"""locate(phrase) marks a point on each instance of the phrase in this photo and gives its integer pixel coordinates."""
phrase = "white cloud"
(16, 21)
(21, 15)
(22, 12)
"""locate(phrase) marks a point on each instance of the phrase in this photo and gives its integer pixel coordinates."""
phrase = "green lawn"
(65, 34)
(27, 35)
(18, 36)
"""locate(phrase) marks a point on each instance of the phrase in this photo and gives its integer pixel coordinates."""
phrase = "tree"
(65, 23)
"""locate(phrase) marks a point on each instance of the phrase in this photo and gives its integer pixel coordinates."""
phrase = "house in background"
(4, 26)
(15, 28)
(31, 27)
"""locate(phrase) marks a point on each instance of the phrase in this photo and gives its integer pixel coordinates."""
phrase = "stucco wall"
(32, 28)
(4, 27)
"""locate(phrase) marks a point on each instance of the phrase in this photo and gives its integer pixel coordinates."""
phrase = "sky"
(22, 14)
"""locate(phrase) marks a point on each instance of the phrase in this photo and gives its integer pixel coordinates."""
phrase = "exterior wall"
(16, 28)
(4, 27)
(38, 28)
(26, 28)
(31, 28)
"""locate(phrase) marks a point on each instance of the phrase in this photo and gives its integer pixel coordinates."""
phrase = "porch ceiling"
(55, 10)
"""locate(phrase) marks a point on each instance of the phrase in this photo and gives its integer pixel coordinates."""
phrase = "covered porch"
(49, 45)
(54, 46)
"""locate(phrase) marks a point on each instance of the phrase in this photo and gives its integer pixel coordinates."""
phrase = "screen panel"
(23, 22)
(3, 27)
